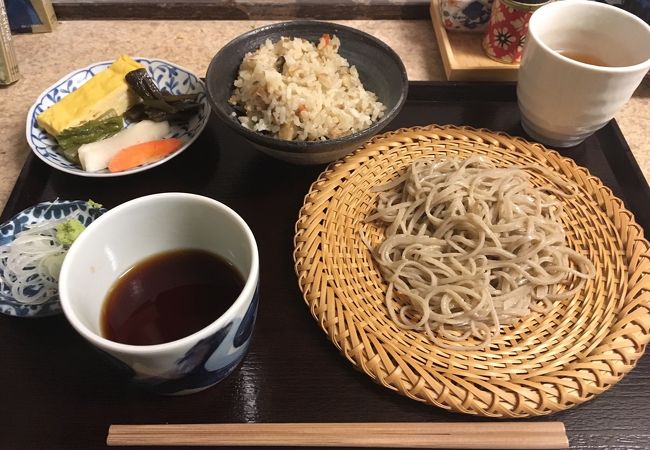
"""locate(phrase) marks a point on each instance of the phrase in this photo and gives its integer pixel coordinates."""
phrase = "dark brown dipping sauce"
(169, 296)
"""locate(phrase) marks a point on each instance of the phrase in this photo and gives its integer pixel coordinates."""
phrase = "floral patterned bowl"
(34, 215)
(167, 76)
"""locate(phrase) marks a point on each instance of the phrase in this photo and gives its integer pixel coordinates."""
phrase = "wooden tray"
(60, 394)
(463, 56)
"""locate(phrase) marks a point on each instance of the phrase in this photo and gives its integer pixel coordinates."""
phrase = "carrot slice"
(144, 153)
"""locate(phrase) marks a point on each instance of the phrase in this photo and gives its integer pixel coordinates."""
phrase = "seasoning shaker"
(8, 61)
(505, 35)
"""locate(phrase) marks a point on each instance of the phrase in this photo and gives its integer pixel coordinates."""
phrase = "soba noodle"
(469, 247)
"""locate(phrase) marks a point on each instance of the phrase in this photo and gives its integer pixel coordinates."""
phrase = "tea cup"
(581, 62)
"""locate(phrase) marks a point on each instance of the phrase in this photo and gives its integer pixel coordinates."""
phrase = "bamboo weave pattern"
(540, 365)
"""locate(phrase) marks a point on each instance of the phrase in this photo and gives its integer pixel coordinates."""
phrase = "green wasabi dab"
(68, 231)
(93, 204)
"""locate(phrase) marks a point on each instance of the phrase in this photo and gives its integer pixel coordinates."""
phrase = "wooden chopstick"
(484, 435)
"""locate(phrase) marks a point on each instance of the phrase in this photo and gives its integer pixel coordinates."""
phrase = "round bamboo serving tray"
(544, 363)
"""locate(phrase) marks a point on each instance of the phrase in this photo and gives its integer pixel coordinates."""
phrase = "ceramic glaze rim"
(67, 270)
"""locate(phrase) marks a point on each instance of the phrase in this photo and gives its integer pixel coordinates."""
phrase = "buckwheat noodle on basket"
(469, 247)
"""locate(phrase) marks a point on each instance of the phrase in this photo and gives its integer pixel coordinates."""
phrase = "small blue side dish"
(57, 209)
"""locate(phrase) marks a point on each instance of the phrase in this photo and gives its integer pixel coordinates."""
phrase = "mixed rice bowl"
(297, 90)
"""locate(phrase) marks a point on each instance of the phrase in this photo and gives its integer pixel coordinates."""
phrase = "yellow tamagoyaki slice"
(105, 91)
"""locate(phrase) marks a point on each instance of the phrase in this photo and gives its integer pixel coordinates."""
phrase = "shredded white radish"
(32, 262)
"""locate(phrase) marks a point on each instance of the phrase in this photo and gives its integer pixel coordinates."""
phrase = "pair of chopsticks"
(492, 435)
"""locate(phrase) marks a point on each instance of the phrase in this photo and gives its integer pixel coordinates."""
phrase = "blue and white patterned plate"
(57, 209)
(168, 76)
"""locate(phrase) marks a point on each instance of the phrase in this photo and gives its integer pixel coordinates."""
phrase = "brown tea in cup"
(584, 58)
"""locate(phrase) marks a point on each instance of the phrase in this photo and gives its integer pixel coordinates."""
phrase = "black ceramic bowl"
(380, 70)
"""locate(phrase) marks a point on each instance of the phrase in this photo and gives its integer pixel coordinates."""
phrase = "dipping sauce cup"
(581, 63)
(136, 230)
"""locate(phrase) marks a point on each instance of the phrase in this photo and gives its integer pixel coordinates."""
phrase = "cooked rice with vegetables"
(296, 90)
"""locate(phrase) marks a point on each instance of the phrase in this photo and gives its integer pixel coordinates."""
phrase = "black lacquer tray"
(58, 393)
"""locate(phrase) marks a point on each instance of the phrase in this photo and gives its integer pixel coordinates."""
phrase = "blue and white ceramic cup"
(143, 227)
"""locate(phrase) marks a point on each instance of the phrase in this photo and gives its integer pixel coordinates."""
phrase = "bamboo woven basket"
(540, 365)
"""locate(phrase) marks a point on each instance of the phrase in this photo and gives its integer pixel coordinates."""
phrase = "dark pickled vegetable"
(94, 130)
(279, 64)
(141, 112)
(140, 81)
(158, 105)
(144, 111)
(175, 98)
